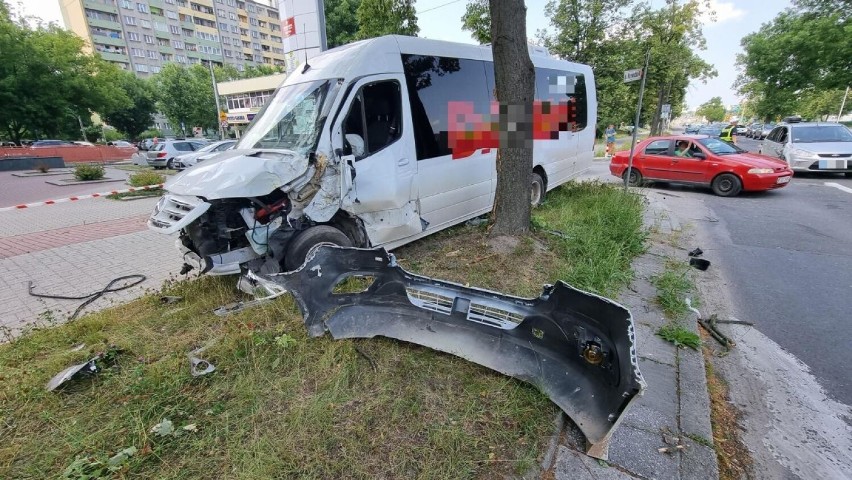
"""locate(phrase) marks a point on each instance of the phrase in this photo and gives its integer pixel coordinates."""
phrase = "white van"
(353, 150)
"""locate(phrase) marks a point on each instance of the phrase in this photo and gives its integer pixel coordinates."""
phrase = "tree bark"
(515, 84)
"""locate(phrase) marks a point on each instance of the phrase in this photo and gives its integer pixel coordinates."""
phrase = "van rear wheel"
(537, 190)
(299, 248)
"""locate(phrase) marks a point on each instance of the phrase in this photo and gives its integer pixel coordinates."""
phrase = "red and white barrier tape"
(78, 197)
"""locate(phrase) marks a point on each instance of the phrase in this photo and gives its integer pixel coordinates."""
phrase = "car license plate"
(831, 164)
(783, 180)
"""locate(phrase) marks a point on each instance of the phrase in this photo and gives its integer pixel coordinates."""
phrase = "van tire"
(538, 190)
(300, 246)
(727, 185)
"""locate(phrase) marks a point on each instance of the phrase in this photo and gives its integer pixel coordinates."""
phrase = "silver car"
(164, 153)
(189, 159)
(811, 147)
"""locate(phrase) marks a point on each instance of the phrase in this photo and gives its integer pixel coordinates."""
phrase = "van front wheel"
(299, 248)
(537, 190)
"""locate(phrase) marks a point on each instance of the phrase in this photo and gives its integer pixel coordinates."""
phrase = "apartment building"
(142, 36)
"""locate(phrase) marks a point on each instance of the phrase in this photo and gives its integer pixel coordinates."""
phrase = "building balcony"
(115, 57)
(166, 49)
(107, 40)
(100, 6)
(96, 22)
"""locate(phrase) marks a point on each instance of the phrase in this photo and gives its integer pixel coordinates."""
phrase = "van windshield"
(291, 120)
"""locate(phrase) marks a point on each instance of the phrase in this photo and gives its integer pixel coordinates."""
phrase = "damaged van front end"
(244, 208)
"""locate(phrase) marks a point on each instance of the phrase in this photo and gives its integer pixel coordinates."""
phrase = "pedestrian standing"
(610, 140)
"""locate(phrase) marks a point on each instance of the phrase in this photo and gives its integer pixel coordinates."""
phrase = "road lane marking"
(838, 186)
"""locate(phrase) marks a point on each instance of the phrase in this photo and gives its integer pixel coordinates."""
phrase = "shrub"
(141, 179)
(88, 171)
(111, 135)
(93, 133)
(150, 133)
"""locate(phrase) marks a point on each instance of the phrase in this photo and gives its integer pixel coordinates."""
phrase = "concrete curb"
(667, 433)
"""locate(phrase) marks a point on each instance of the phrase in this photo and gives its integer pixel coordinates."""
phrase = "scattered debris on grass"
(87, 368)
(92, 468)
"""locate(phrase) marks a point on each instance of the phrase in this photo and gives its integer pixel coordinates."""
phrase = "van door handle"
(402, 161)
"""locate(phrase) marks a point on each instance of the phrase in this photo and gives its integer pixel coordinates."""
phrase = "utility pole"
(842, 104)
(636, 122)
(216, 97)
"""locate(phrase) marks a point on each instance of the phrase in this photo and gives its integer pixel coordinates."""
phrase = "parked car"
(725, 168)
(767, 128)
(51, 144)
(120, 143)
(741, 129)
(692, 128)
(811, 147)
(189, 159)
(710, 131)
(753, 130)
(163, 154)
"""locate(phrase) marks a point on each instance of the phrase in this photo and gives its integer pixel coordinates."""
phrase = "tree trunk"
(515, 84)
(655, 121)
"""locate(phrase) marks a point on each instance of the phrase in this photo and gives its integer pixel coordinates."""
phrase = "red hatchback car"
(701, 160)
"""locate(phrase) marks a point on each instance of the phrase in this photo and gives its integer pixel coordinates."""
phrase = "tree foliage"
(185, 96)
(341, 21)
(712, 110)
(386, 17)
(48, 85)
(804, 52)
(136, 117)
(477, 21)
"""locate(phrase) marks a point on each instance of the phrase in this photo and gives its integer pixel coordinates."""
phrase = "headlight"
(760, 170)
(802, 153)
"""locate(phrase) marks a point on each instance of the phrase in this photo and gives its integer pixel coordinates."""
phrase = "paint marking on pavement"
(79, 197)
(838, 186)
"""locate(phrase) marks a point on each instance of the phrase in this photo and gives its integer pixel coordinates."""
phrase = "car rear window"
(658, 147)
(159, 147)
(183, 147)
(821, 134)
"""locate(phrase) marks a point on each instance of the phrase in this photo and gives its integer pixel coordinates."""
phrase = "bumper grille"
(174, 212)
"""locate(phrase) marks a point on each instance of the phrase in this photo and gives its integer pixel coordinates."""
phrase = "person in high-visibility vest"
(729, 133)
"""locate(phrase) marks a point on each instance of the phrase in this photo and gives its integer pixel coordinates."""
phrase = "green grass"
(679, 335)
(673, 287)
(140, 168)
(154, 192)
(603, 233)
(282, 405)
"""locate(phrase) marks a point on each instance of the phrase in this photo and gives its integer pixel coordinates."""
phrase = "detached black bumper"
(576, 347)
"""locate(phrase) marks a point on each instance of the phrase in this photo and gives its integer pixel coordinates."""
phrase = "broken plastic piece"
(699, 263)
(250, 284)
(86, 368)
(200, 367)
(696, 253)
(576, 347)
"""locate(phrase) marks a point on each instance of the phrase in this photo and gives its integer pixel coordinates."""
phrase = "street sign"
(632, 75)
(223, 116)
(225, 124)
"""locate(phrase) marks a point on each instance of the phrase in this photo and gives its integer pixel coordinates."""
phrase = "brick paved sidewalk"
(76, 249)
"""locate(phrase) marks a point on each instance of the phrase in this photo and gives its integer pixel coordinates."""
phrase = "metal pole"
(842, 104)
(636, 123)
(216, 96)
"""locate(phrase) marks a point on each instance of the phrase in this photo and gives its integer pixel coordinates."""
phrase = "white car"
(164, 153)
(189, 159)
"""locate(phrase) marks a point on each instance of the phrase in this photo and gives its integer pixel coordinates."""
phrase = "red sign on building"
(288, 27)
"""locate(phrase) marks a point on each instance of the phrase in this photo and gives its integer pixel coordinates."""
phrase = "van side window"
(374, 120)
(432, 83)
(774, 134)
(782, 135)
(558, 86)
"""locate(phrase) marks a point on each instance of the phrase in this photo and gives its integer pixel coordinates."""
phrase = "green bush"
(141, 179)
(93, 133)
(111, 135)
(151, 133)
(89, 171)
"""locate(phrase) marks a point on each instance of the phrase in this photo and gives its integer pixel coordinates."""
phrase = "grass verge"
(281, 405)
(673, 287)
(141, 168)
(731, 453)
(154, 192)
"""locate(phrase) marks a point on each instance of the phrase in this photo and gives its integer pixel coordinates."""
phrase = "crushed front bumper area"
(576, 347)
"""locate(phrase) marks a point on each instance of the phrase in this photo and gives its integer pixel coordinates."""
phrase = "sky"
(441, 20)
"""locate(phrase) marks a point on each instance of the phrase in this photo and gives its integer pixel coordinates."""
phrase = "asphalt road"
(16, 190)
(789, 255)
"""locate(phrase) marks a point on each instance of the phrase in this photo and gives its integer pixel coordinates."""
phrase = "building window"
(180, 59)
(141, 67)
(250, 8)
(223, 27)
(170, 2)
(152, 54)
(149, 39)
(155, 69)
(145, 23)
(126, 4)
(177, 44)
(161, 26)
(254, 34)
(174, 29)
(137, 52)
(142, 7)
(223, 14)
(171, 14)
(187, 32)
(128, 20)
(235, 29)
(256, 46)
(133, 36)
(228, 53)
(232, 15)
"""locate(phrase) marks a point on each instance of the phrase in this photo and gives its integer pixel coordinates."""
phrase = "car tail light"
(162, 155)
